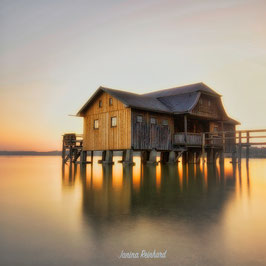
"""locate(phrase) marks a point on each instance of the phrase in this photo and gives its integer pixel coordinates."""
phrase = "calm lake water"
(200, 215)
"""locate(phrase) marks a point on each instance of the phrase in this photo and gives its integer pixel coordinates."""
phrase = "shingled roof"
(172, 101)
(196, 87)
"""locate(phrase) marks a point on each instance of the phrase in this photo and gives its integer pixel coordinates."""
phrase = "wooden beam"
(185, 127)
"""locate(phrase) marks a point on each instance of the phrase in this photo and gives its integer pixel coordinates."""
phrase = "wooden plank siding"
(107, 137)
(208, 107)
(147, 136)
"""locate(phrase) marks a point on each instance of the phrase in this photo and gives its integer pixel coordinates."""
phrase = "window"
(139, 118)
(165, 122)
(200, 101)
(209, 103)
(153, 121)
(113, 121)
(100, 104)
(110, 101)
(96, 124)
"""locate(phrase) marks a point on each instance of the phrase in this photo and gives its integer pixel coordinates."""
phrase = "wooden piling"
(198, 156)
(203, 148)
(172, 158)
(108, 157)
(128, 157)
(239, 147)
(247, 147)
(210, 156)
(152, 157)
(191, 157)
(164, 157)
(185, 157)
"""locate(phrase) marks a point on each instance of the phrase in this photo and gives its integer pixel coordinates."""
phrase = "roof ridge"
(115, 90)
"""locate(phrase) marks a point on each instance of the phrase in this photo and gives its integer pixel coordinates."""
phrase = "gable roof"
(130, 100)
(180, 103)
(196, 87)
(172, 101)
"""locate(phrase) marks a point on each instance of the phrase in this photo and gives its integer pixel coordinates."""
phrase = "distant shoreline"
(30, 153)
(259, 153)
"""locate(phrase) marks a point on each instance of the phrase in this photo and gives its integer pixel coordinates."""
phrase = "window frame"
(94, 127)
(139, 116)
(155, 121)
(100, 104)
(110, 101)
(115, 121)
(165, 122)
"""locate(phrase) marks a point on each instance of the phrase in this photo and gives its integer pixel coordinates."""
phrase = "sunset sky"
(55, 53)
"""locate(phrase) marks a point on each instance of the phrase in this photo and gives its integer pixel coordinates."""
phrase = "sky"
(55, 53)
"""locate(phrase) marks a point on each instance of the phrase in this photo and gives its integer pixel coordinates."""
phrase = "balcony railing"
(195, 139)
(191, 139)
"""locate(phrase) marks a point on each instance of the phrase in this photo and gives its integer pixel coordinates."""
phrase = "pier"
(191, 147)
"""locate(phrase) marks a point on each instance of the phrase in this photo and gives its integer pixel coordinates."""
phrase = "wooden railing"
(187, 139)
(224, 139)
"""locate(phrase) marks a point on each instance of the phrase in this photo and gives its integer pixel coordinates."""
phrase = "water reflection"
(202, 214)
(176, 191)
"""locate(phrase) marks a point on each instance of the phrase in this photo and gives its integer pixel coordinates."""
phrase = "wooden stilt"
(128, 157)
(108, 157)
(203, 148)
(198, 156)
(184, 157)
(172, 157)
(221, 157)
(164, 156)
(152, 157)
(144, 156)
(247, 148)
(210, 156)
(240, 148)
(191, 157)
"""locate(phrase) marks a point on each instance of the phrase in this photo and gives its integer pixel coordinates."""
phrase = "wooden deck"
(211, 142)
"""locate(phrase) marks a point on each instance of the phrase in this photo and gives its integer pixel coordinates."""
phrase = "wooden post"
(91, 157)
(221, 157)
(203, 148)
(210, 156)
(239, 147)
(128, 157)
(103, 157)
(108, 157)
(185, 127)
(70, 154)
(164, 157)
(247, 148)
(185, 157)
(144, 156)
(172, 158)
(63, 151)
(198, 155)
(152, 157)
(190, 157)
(83, 157)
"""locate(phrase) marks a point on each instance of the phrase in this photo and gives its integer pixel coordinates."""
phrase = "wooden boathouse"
(182, 121)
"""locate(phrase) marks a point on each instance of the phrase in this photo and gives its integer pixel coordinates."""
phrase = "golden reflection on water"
(136, 173)
(158, 177)
(103, 209)
(96, 175)
(117, 176)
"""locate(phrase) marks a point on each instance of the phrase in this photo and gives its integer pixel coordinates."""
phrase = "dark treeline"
(254, 152)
